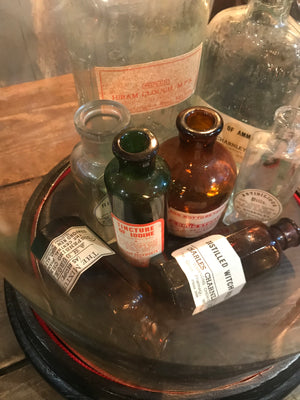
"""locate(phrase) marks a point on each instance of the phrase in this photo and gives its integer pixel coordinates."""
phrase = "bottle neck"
(199, 127)
(269, 11)
(136, 168)
(286, 233)
(97, 122)
(136, 151)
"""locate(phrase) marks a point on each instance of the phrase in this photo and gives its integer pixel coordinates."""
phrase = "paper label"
(71, 253)
(191, 225)
(103, 212)
(213, 269)
(257, 204)
(150, 86)
(139, 242)
(235, 136)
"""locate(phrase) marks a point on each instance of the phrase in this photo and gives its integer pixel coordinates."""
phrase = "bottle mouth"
(199, 122)
(101, 118)
(135, 144)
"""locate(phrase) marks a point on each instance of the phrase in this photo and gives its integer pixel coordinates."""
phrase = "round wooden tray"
(187, 371)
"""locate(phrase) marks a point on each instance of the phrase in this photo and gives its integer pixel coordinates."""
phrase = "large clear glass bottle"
(250, 66)
(97, 122)
(203, 173)
(144, 54)
(270, 171)
(213, 269)
(137, 181)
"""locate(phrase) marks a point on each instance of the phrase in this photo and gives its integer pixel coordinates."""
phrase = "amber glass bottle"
(210, 270)
(203, 173)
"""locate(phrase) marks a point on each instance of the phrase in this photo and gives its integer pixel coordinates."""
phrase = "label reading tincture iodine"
(213, 270)
(71, 253)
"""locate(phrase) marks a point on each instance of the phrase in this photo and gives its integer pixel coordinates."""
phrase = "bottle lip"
(148, 145)
(117, 113)
(183, 122)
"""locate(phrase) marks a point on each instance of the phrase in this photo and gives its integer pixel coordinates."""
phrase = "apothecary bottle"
(144, 54)
(100, 284)
(270, 171)
(203, 173)
(217, 267)
(250, 67)
(137, 180)
(97, 123)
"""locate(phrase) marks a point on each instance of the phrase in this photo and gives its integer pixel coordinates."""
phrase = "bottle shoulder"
(122, 181)
(232, 25)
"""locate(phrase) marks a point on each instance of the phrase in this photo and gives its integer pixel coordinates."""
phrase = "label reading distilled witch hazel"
(71, 253)
(213, 270)
(139, 242)
(153, 85)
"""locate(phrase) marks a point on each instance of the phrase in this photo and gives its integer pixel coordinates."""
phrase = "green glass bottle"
(137, 181)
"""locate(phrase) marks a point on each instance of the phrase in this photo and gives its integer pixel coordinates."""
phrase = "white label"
(213, 270)
(257, 204)
(150, 86)
(103, 212)
(191, 225)
(139, 242)
(235, 136)
(71, 253)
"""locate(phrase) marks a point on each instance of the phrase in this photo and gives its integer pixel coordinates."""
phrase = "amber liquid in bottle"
(203, 173)
(257, 247)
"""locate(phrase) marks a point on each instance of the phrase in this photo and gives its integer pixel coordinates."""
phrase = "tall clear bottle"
(97, 122)
(144, 54)
(270, 171)
(250, 66)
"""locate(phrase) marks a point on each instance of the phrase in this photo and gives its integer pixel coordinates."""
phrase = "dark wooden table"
(37, 131)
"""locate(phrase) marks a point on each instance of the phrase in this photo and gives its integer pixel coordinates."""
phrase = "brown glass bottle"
(222, 263)
(203, 173)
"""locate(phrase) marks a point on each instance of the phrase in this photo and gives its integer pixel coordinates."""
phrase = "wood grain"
(36, 127)
(26, 384)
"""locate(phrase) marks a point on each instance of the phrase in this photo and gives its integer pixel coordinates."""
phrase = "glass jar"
(203, 173)
(97, 122)
(144, 54)
(270, 171)
(250, 66)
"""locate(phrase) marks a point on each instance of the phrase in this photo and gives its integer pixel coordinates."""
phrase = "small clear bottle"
(250, 67)
(270, 171)
(97, 122)
(203, 173)
(137, 181)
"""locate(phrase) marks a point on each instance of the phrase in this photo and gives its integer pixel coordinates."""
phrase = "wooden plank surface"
(36, 127)
(36, 132)
(25, 383)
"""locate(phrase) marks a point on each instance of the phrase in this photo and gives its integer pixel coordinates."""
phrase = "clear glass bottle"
(90, 273)
(211, 270)
(137, 181)
(250, 66)
(97, 122)
(203, 173)
(138, 53)
(270, 171)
